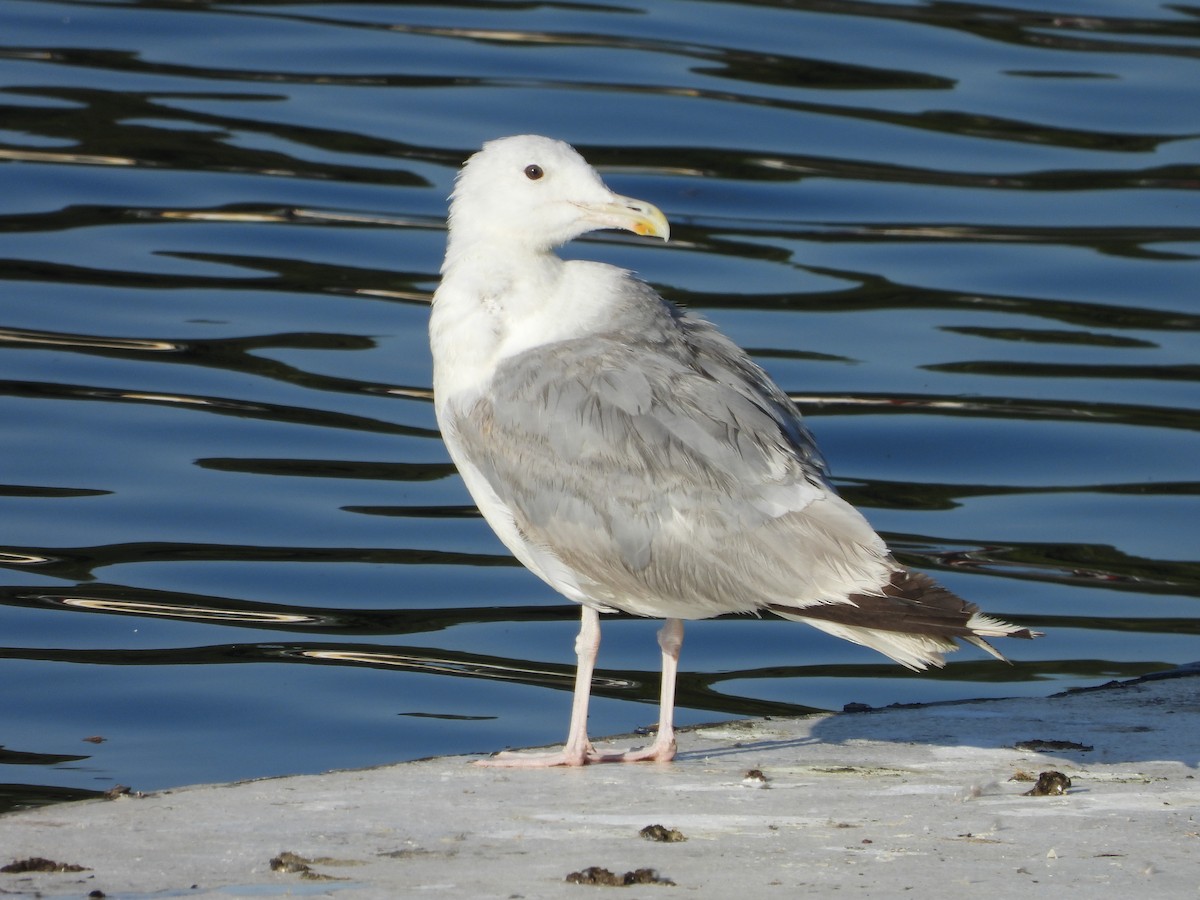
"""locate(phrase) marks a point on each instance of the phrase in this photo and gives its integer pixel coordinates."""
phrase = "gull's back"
(663, 470)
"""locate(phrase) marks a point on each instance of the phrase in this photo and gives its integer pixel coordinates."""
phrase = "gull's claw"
(584, 756)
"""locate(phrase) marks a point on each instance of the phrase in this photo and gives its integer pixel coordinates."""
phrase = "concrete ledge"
(878, 803)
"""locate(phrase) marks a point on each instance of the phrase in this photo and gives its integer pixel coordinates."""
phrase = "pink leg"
(587, 646)
(578, 750)
(670, 639)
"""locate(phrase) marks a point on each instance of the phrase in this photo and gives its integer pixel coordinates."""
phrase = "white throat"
(492, 306)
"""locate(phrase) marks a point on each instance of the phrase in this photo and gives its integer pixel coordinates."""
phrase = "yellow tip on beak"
(628, 214)
(648, 220)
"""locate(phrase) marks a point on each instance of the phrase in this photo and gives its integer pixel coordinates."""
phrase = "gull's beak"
(628, 214)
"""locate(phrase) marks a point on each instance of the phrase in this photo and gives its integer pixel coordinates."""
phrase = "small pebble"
(1049, 784)
(755, 779)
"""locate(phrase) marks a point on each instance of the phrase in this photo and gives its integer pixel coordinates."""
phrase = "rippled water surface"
(963, 237)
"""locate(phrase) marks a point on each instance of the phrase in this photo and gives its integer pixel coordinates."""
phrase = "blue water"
(964, 238)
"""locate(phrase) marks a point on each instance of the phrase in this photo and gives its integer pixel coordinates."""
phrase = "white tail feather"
(915, 651)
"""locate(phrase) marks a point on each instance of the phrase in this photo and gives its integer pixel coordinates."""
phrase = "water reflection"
(702, 690)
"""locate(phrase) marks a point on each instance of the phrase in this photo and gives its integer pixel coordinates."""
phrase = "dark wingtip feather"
(910, 604)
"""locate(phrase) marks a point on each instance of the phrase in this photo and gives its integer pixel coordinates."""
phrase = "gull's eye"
(534, 172)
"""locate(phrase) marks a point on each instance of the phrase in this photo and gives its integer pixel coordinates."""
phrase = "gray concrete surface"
(914, 802)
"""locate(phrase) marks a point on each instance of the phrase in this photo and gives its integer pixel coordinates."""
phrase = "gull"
(632, 456)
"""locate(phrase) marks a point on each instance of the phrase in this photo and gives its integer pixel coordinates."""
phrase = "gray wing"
(663, 473)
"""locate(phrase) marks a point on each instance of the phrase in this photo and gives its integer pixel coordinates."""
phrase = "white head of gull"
(633, 457)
